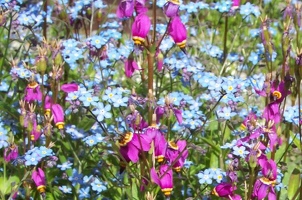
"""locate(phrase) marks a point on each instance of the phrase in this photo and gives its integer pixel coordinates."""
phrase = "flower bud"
(41, 64)
(171, 8)
(178, 32)
(140, 28)
(58, 115)
(38, 177)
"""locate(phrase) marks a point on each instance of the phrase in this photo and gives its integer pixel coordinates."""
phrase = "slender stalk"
(154, 21)
(251, 182)
(45, 19)
(225, 50)
(6, 46)
(150, 82)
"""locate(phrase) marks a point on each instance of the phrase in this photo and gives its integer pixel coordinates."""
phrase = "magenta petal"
(70, 87)
(38, 177)
(58, 113)
(154, 176)
(178, 115)
(133, 153)
(272, 194)
(125, 9)
(236, 3)
(177, 30)
(167, 179)
(130, 67)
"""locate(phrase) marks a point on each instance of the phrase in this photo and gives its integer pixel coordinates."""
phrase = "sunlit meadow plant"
(159, 99)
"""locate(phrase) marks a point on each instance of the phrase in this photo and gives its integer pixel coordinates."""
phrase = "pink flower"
(47, 105)
(236, 3)
(140, 7)
(69, 87)
(38, 177)
(35, 133)
(164, 179)
(58, 115)
(171, 8)
(125, 9)
(33, 92)
(178, 32)
(130, 66)
(160, 61)
(11, 153)
(140, 28)
(132, 144)
(226, 190)
(177, 154)
(160, 143)
(265, 185)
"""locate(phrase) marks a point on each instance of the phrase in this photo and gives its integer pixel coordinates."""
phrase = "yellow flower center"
(167, 191)
(125, 139)
(277, 94)
(267, 181)
(173, 145)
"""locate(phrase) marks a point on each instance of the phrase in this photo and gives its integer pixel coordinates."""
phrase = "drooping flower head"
(160, 143)
(131, 144)
(47, 105)
(33, 92)
(130, 66)
(58, 115)
(264, 186)
(125, 9)
(177, 154)
(178, 32)
(164, 179)
(69, 87)
(140, 28)
(236, 4)
(171, 8)
(38, 177)
(11, 153)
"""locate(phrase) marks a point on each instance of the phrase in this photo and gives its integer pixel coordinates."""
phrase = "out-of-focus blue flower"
(65, 165)
(32, 159)
(74, 132)
(102, 112)
(44, 152)
(225, 113)
(229, 145)
(223, 6)
(254, 58)
(247, 9)
(205, 177)
(84, 193)
(98, 186)
(97, 41)
(65, 189)
(76, 178)
(87, 99)
(90, 140)
(99, 4)
(240, 151)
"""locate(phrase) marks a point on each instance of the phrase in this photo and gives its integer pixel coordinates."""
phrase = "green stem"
(150, 82)
(6, 47)
(251, 183)
(45, 19)
(154, 21)
(225, 50)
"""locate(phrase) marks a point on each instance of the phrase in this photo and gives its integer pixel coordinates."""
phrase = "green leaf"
(294, 183)
(215, 147)
(134, 190)
(86, 123)
(9, 110)
(6, 185)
